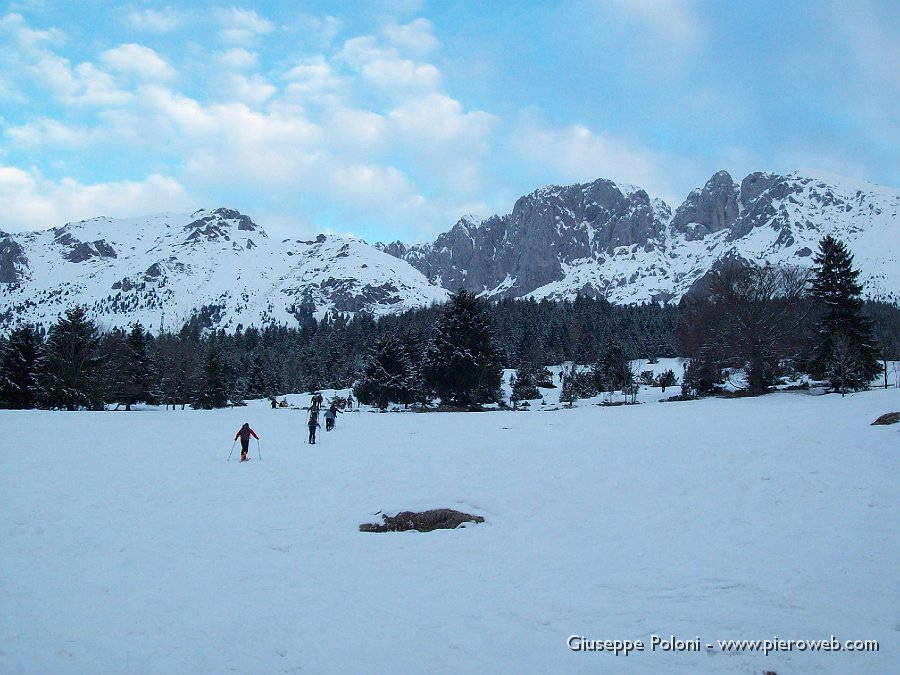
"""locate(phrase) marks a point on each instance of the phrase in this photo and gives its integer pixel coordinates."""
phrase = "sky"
(391, 119)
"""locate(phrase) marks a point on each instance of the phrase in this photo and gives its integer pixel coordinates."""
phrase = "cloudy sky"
(391, 119)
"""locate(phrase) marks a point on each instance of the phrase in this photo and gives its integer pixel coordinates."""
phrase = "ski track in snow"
(129, 544)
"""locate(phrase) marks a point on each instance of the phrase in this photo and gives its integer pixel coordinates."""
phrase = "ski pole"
(258, 452)
(232, 450)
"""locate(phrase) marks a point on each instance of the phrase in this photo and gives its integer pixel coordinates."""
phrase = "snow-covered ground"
(128, 544)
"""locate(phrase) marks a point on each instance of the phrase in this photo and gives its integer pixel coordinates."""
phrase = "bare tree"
(752, 318)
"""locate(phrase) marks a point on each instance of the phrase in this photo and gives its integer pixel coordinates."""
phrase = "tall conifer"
(844, 352)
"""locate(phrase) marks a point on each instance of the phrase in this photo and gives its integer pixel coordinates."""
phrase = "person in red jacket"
(245, 432)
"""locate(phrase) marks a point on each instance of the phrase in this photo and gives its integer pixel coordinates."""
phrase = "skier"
(313, 424)
(274, 403)
(244, 433)
(350, 401)
(331, 416)
(316, 401)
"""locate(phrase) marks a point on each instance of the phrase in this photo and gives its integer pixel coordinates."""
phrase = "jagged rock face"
(218, 225)
(602, 239)
(709, 210)
(13, 261)
(84, 250)
(512, 255)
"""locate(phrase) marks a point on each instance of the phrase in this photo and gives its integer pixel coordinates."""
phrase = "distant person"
(316, 401)
(350, 401)
(284, 403)
(244, 433)
(274, 403)
(313, 424)
(331, 416)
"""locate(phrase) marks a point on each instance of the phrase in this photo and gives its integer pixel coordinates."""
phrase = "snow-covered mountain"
(616, 241)
(167, 268)
(597, 239)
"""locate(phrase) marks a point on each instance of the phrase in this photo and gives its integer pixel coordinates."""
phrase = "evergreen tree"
(120, 370)
(214, 385)
(18, 369)
(844, 352)
(462, 363)
(418, 390)
(612, 371)
(144, 376)
(570, 388)
(524, 388)
(665, 379)
(388, 375)
(176, 367)
(530, 369)
(69, 365)
(263, 378)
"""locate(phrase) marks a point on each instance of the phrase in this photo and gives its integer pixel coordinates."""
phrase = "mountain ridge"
(599, 239)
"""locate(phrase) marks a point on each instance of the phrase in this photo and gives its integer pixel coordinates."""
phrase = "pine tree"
(570, 389)
(144, 376)
(665, 379)
(612, 371)
(529, 369)
(844, 352)
(214, 386)
(462, 363)
(18, 369)
(69, 365)
(388, 375)
(120, 370)
(525, 386)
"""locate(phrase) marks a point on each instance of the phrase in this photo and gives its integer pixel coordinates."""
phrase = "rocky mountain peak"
(219, 225)
(712, 208)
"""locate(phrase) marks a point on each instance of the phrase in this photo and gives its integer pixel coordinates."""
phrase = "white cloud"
(254, 90)
(238, 59)
(27, 38)
(163, 20)
(314, 80)
(356, 132)
(446, 145)
(49, 133)
(83, 84)
(32, 202)
(241, 27)
(416, 37)
(385, 69)
(139, 61)
(319, 31)
(577, 154)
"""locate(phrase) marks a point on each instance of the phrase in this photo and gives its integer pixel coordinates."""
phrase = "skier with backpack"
(244, 434)
(313, 424)
(331, 416)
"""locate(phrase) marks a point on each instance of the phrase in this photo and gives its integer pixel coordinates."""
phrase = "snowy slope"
(129, 544)
(165, 268)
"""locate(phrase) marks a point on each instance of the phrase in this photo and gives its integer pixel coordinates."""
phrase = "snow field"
(129, 544)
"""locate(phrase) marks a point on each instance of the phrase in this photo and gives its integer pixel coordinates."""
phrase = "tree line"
(765, 322)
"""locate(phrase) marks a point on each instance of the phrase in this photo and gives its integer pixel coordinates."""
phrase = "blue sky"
(391, 119)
